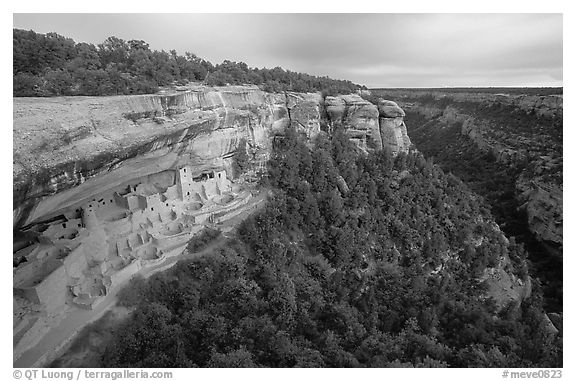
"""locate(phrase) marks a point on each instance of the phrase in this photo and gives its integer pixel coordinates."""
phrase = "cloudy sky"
(377, 50)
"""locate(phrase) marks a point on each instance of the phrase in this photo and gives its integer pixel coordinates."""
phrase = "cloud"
(373, 49)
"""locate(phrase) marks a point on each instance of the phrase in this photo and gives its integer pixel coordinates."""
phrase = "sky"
(376, 50)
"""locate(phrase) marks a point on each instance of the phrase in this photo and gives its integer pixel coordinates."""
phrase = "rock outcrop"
(369, 126)
(542, 202)
(392, 126)
(305, 112)
(358, 117)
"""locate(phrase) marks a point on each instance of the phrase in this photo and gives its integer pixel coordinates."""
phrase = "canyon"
(514, 142)
(170, 212)
(109, 187)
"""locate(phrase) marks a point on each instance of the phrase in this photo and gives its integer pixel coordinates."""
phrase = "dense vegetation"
(240, 160)
(51, 65)
(386, 274)
(201, 240)
(496, 181)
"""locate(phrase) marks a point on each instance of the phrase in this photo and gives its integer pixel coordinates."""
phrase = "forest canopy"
(386, 274)
(53, 65)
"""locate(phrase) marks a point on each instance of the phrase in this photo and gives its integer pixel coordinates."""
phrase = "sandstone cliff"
(66, 149)
(392, 126)
(370, 126)
(358, 116)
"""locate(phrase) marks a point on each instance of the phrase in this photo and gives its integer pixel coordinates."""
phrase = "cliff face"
(370, 126)
(521, 132)
(539, 105)
(542, 202)
(358, 116)
(68, 149)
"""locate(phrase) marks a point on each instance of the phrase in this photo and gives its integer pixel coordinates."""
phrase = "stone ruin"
(85, 252)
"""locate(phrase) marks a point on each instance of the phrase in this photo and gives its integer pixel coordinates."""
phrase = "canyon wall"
(105, 187)
(66, 149)
(520, 131)
(539, 105)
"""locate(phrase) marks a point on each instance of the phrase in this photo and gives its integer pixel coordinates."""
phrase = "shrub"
(200, 241)
(240, 158)
(27, 85)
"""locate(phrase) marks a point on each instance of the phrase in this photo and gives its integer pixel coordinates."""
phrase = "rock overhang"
(67, 142)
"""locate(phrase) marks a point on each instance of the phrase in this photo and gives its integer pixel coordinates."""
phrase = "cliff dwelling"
(82, 254)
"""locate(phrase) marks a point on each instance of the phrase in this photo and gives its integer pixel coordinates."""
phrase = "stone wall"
(119, 234)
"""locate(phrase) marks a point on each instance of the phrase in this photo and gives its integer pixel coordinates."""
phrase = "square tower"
(186, 183)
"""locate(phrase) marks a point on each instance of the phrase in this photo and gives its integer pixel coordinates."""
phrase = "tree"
(59, 82)
(86, 58)
(240, 158)
(141, 70)
(28, 85)
(218, 78)
(148, 339)
(239, 358)
(113, 50)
